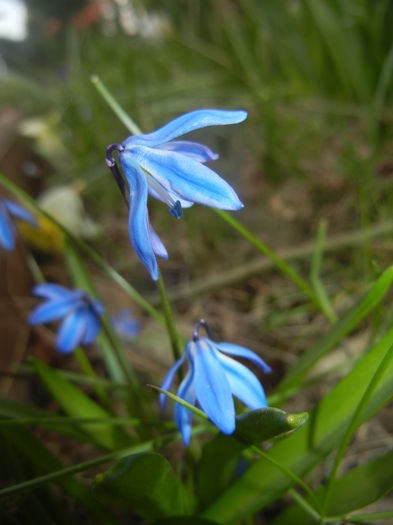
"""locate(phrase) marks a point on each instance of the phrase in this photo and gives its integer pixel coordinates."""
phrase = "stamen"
(175, 208)
(195, 334)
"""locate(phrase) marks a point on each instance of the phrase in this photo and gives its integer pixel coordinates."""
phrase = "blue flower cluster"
(174, 172)
(80, 315)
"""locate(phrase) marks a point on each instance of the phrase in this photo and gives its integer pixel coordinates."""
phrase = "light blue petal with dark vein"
(191, 180)
(138, 220)
(168, 380)
(71, 332)
(183, 416)
(240, 351)
(20, 213)
(53, 309)
(51, 291)
(243, 383)
(212, 388)
(191, 121)
(7, 229)
(196, 151)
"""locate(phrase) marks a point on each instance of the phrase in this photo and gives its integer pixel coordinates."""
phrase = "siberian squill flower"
(9, 211)
(125, 325)
(172, 171)
(80, 315)
(213, 378)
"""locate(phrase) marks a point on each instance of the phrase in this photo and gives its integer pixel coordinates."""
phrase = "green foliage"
(143, 483)
(316, 78)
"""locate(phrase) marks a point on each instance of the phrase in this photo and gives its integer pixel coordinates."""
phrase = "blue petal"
(125, 325)
(183, 416)
(157, 244)
(196, 151)
(138, 220)
(191, 180)
(92, 326)
(97, 307)
(198, 119)
(168, 380)
(51, 291)
(212, 388)
(240, 351)
(244, 384)
(7, 229)
(53, 309)
(71, 332)
(20, 213)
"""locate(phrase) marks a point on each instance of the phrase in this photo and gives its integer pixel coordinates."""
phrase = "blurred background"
(316, 79)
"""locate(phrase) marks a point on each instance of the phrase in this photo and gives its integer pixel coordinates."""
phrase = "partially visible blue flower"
(125, 325)
(212, 380)
(9, 211)
(80, 315)
(172, 171)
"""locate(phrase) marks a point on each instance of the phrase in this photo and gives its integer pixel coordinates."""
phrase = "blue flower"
(172, 171)
(212, 380)
(80, 315)
(125, 325)
(8, 212)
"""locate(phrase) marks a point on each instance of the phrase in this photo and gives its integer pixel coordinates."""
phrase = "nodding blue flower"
(9, 211)
(80, 315)
(172, 171)
(125, 325)
(213, 378)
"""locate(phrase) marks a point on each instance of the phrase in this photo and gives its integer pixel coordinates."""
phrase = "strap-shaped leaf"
(340, 330)
(357, 488)
(77, 404)
(220, 456)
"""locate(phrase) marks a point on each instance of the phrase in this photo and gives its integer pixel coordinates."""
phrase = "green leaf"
(143, 483)
(358, 488)
(263, 483)
(337, 333)
(217, 467)
(76, 404)
(43, 461)
(185, 520)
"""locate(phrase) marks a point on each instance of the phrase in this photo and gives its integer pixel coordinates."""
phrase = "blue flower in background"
(80, 315)
(172, 171)
(9, 211)
(125, 325)
(212, 380)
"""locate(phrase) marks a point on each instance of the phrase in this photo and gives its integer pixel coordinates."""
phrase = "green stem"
(115, 106)
(169, 319)
(353, 424)
(280, 263)
(304, 504)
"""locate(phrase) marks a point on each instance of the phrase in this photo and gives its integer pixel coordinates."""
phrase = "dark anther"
(195, 334)
(176, 210)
